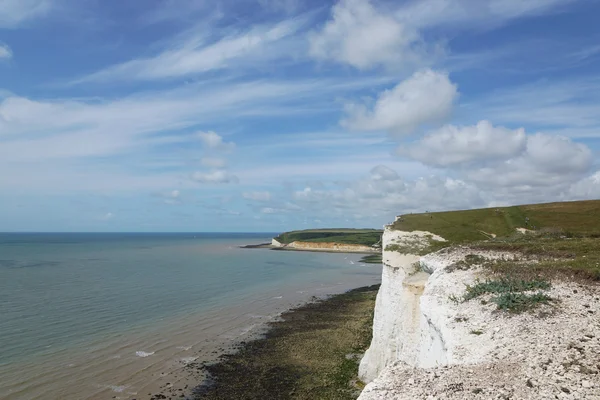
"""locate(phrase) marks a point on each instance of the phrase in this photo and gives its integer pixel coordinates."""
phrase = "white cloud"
(426, 97)
(5, 52)
(257, 196)
(213, 162)
(383, 173)
(548, 166)
(452, 145)
(587, 188)
(214, 141)
(171, 197)
(364, 37)
(15, 12)
(192, 55)
(380, 200)
(215, 176)
(466, 14)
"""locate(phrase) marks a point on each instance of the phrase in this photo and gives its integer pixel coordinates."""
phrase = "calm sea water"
(102, 316)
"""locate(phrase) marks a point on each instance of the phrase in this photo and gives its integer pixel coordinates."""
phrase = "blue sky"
(264, 115)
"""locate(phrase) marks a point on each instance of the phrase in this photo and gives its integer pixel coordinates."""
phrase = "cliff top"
(577, 218)
(563, 237)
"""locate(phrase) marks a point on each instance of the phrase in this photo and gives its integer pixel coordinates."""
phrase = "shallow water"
(101, 316)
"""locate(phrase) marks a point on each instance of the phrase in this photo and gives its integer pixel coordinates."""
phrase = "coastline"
(311, 351)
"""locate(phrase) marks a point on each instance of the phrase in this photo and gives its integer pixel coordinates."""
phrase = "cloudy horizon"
(263, 115)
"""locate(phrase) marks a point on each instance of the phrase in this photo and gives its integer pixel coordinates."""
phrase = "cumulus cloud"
(216, 176)
(548, 161)
(383, 173)
(214, 141)
(5, 52)
(377, 199)
(257, 196)
(426, 97)
(587, 188)
(453, 145)
(360, 35)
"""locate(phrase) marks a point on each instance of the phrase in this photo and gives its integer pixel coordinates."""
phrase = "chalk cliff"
(427, 346)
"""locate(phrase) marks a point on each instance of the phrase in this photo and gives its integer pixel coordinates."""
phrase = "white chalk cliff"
(426, 346)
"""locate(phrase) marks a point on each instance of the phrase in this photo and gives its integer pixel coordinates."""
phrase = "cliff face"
(425, 344)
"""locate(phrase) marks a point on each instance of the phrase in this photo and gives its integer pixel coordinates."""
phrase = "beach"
(124, 317)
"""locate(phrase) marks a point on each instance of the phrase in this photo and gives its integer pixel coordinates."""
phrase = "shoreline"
(310, 351)
(269, 246)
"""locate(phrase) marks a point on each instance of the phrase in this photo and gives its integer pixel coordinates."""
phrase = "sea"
(122, 316)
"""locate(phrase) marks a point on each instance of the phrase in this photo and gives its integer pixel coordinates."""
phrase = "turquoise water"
(104, 315)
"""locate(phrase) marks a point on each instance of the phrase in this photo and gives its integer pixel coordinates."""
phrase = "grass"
(511, 294)
(503, 286)
(519, 302)
(312, 353)
(366, 237)
(578, 218)
(420, 246)
(565, 242)
(557, 256)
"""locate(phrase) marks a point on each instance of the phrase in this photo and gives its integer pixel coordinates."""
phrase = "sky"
(272, 115)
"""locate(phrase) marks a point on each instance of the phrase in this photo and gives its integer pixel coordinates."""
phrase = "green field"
(366, 237)
(577, 218)
(563, 237)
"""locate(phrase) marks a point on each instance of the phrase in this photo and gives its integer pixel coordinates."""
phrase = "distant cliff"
(342, 240)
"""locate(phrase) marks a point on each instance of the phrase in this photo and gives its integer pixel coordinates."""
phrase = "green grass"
(520, 302)
(503, 286)
(366, 237)
(511, 294)
(578, 218)
(565, 241)
(556, 256)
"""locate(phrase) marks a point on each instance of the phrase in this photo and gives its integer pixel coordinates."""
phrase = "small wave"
(117, 389)
(277, 297)
(188, 360)
(143, 354)
(186, 348)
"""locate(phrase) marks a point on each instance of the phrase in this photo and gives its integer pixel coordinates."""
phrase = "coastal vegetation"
(311, 353)
(365, 237)
(549, 240)
(576, 218)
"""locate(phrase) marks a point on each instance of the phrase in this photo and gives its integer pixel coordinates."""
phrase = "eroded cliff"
(427, 344)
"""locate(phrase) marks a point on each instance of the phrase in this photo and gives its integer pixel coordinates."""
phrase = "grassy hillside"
(564, 237)
(367, 237)
(577, 218)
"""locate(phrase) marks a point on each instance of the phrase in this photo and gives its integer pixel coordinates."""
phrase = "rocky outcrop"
(427, 346)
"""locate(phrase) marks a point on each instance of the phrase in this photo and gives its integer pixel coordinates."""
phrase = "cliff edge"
(511, 317)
